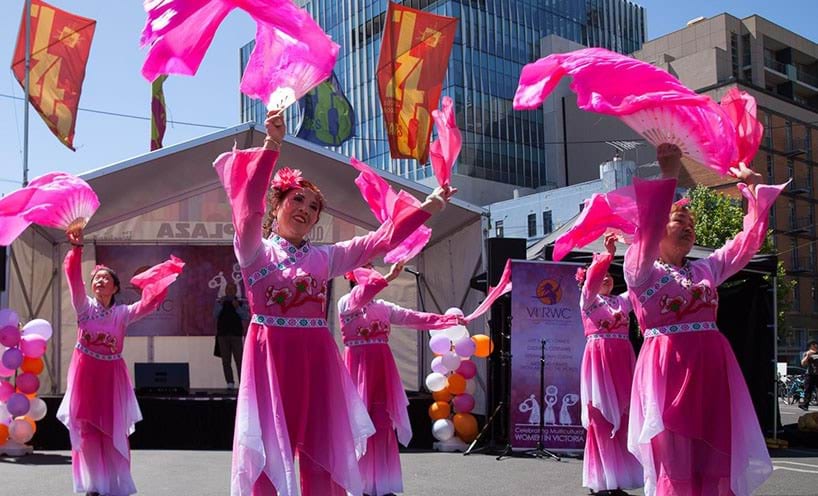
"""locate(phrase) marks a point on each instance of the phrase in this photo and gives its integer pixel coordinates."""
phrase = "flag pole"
(27, 91)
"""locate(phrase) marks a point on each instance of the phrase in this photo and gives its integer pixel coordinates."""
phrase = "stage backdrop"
(188, 309)
(545, 306)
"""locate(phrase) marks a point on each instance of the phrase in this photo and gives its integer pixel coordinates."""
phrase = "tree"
(719, 218)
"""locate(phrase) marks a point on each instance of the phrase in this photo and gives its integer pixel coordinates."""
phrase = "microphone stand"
(539, 451)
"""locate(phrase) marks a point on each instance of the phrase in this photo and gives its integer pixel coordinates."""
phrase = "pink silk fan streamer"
(386, 204)
(292, 54)
(503, 287)
(650, 101)
(444, 150)
(57, 199)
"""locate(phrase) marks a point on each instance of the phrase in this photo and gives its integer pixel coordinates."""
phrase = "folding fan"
(444, 150)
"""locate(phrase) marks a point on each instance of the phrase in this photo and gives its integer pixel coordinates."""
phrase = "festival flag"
(414, 56)
(327, 117)
(60, 44)
(159, 115)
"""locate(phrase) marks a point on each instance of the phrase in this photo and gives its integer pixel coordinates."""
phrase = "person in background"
(231, 313)
(810, 361)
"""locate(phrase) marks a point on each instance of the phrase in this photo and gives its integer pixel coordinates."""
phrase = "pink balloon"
(440, 344)
(467, 369)
(463, 403)
(33, 346)
(9, 336)
(12, 358)
(4, 372)
(18, 405)
(28, 383)
(6, 390)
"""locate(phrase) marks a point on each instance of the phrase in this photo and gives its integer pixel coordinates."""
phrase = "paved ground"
(205, 473)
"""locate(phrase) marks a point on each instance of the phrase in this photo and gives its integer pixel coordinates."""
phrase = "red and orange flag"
(414, 56)
(60, 44)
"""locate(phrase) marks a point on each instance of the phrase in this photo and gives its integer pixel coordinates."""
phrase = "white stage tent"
(172, 196)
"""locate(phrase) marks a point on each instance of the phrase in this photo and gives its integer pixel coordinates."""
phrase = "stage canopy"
(172, 197)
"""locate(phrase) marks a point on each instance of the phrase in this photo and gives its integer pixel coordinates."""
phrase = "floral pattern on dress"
(99, 339)
(306, 289)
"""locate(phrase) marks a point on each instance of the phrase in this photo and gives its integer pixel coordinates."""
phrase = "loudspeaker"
(498, 251)
(162, 378)
(3, 251)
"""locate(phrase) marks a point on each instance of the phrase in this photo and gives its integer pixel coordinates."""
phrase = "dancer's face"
(680, 234)
(607, 284)
(103, 285)
(297, 213)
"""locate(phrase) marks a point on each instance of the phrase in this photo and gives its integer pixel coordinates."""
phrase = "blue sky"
(113, 82)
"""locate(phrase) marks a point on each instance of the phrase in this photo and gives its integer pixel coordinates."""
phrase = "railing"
(801, 185)
(801, 224)
(802, 265)
(775, 65)
(805, 77)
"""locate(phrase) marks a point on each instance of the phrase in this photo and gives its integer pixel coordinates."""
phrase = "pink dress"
(692, 423)
(365, 325)
(295, 397)
(99, 407)
(605, 385)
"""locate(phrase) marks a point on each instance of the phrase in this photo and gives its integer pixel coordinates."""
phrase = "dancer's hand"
(437, 200)
(746, 175)
(610, 243)
(395, 271)
(75, 236)
(276, 129)
(670, 160)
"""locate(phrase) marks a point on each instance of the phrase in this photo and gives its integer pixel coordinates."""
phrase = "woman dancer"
(605, 385)
(99, 407)
(365, 326)
(296, 398)
(692, 423)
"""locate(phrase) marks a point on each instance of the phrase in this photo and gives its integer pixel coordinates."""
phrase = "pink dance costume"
(605, 385)
(296, 397)
(99, 407)
(365, 326)
(692, 422)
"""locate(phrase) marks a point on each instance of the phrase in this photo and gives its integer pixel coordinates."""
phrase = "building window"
(498, 229)
(788, 136)
(547, 222)
(734, 53)
(813, 294)
(532, 225)
(796, 296)
(770, 169)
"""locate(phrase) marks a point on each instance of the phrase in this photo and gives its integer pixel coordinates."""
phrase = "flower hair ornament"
(350, 276)
(286, 179)
(580, 275)
(99, 267)
(683, 203)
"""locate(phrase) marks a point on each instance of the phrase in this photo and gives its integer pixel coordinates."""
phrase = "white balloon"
(450, 361)
(40, 327)
(443, 429)
(21, 431)
(471, 385)
(437, 366)
(9, 317)
(5, 416)
(440, 344)
(37, 410)
(436, 382)
(456, 332)
(455, 311)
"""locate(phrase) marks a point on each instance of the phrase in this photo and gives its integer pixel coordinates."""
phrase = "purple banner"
(545, 306)
(188, 308)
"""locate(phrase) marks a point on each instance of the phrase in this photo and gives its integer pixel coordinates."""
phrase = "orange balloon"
(30, 396)
(4, 433)
(457, 384)
(442, 395)
(440, 410)
(32, 365)
(465, 426)
(485, 346)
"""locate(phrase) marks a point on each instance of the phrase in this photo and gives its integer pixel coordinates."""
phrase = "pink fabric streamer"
(292, 53)
(386, 204)
(652, 102)
(444, 150)
(53, 200)
(615, 210)
(503, 287)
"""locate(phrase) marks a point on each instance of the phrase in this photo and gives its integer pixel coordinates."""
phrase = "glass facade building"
(494, 40)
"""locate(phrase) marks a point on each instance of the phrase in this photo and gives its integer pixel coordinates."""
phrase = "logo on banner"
(549, 292)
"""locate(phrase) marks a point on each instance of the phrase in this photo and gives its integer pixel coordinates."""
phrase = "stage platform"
(203, 419)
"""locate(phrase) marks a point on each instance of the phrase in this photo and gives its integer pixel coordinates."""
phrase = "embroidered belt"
(98, 356)
(606, 335)
(679, 328)
(362, 342)
(273, 321)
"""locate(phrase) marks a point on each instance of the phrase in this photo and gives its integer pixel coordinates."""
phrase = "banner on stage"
(545, 306)
(413, 60)
(327, 117)
(188, 308)
(60, 43)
